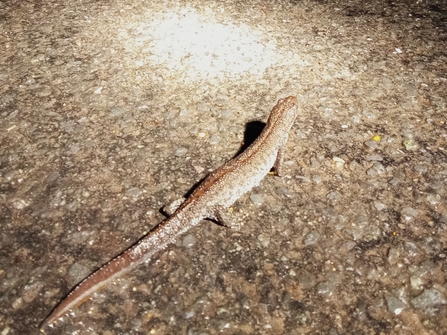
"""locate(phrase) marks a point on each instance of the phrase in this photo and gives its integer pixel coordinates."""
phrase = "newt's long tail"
(103, 276)
(163, 235)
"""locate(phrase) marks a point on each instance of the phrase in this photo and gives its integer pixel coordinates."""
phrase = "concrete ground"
(110, 109)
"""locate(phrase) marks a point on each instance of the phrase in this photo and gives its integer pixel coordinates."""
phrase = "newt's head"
(284, 112)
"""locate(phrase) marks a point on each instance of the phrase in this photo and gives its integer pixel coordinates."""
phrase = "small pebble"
(306, 281)
(394, 181)
(356, 119)
(369, 114)
(183, 112)
(315, 163)
(333, 196)
(19, 203)
(284, 191)
(9, 175)
(433, 199)
(226, 113)
(256, 198)
(325, 288)
(429, 301)
(316, 179)
(304, 179)
(410, 144)
(339, 162)
(420, 168)
(379, 206)
(311, 238)
(78, 271)
(426, 266)
(408, 213)
(214, 139)
(133, 192)
(416, 283)
(395, 305)
(300, 134)
(411, 249)
(393, 255)
(372, 144)
(180, 152)
(374, 157)
(376, 170)
(189, 240)
(264, 239)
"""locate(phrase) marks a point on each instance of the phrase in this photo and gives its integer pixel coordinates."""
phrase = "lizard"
(218, 191)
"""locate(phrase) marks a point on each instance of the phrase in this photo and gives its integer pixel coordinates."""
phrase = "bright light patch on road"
(197, 48)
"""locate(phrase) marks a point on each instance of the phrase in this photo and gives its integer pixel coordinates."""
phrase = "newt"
(209, 200)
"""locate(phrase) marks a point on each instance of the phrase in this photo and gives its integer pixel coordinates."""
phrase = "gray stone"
(429, 301)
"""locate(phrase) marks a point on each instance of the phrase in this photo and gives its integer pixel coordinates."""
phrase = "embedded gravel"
(110, 109)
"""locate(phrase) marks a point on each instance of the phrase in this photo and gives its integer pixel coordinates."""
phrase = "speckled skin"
(208, 201)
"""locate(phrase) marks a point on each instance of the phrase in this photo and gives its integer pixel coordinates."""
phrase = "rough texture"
(110, 109)
(209, 200)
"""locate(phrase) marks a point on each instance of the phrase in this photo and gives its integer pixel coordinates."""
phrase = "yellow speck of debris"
(230, 209)
(377, 138)
(201, 135)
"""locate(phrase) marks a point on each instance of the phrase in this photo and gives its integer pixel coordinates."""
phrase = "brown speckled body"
(209, 200)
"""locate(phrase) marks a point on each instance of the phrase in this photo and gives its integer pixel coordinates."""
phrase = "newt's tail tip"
(47, 323)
